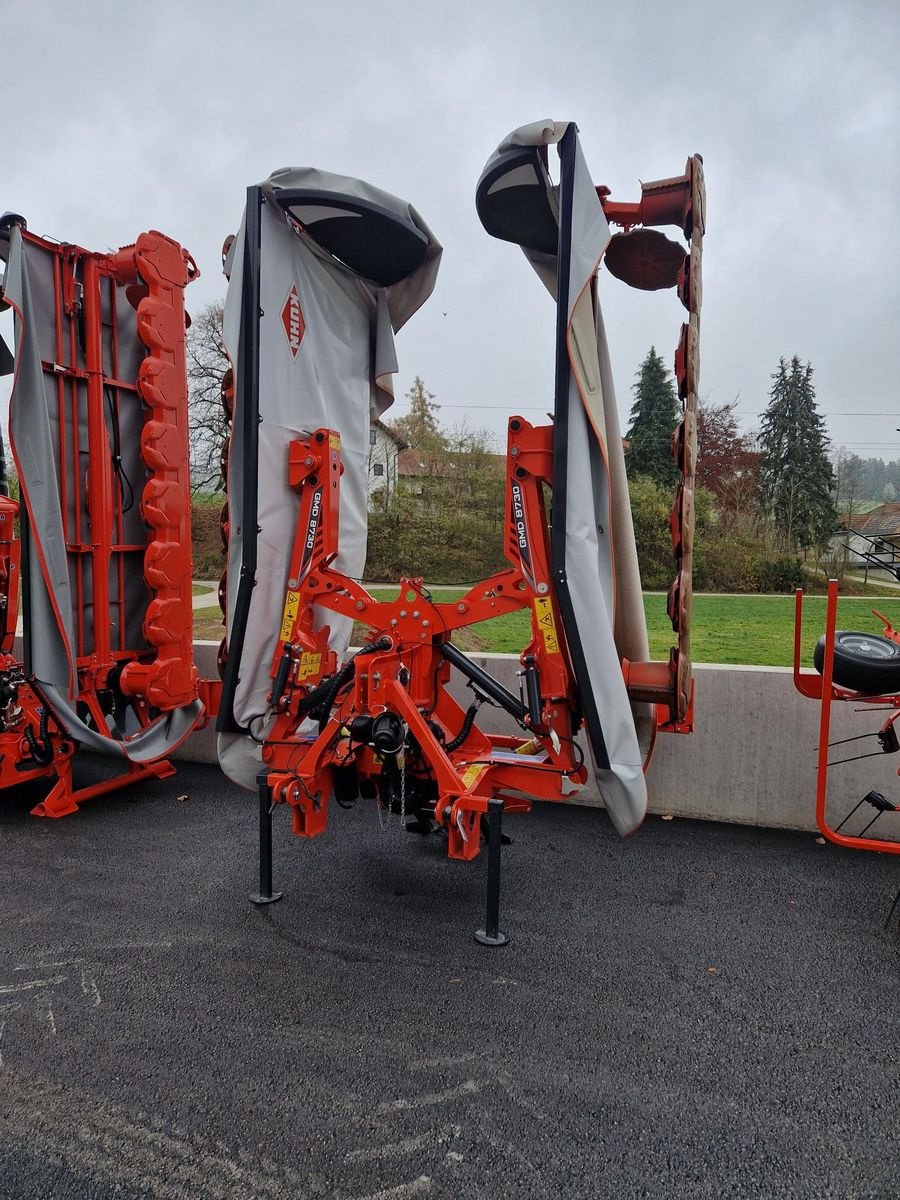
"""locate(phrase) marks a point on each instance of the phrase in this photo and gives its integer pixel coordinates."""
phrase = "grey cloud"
(127, 117)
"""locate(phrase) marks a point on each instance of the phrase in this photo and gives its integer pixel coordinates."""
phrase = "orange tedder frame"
(826, 691)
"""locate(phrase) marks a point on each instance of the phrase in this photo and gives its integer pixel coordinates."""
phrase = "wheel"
(863, 662)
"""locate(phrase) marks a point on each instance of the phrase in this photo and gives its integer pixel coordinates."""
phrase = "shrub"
(784, 574)
(650, 505)
(206, 537)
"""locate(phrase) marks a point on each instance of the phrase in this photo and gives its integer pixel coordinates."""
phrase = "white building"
(872, 539)
(384, 449)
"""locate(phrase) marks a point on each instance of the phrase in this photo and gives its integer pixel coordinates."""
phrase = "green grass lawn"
(746, 630)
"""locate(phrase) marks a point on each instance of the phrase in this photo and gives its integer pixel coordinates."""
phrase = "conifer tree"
(796, 477)
(654, 416)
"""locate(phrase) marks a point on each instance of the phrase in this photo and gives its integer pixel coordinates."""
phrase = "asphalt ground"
(703, 1011)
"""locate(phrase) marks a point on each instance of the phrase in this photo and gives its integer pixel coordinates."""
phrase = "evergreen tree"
(796, 477)
(419, 428)
(654, 416)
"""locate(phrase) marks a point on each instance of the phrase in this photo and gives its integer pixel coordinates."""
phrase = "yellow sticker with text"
(334, 441)
(543, 610)
(470, 774)
(291, 608)
(310, 664)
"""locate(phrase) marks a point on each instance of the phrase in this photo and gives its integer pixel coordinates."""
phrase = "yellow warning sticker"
(291, 608)
(310, 664)
(543, 611)
(334, 441)
(470, 774)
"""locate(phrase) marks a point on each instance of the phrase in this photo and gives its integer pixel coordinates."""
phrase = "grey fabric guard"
(601, 557)
(33, 441)
(340, 378)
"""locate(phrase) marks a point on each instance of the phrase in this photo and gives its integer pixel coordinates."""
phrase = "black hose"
(468, 722)
(320, 701)
(39, 754)
(45, 732)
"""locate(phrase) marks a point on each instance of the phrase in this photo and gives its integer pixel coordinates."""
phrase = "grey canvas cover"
(50, 612)
(334, 374)
(563, 232)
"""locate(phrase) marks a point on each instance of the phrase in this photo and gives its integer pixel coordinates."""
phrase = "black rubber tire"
(863, 662)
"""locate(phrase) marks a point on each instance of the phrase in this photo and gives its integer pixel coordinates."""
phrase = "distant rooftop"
(883, 521)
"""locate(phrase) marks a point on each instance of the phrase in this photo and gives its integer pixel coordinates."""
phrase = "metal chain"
(384, 819)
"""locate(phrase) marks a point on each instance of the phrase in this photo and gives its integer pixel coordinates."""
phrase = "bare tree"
(207, 362)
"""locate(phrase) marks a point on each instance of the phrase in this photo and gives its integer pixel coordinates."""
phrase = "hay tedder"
(322, 273)
(862, 669)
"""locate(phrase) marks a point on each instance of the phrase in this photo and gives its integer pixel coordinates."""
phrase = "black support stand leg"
(492, 934)
(894, 907)
(265, 895)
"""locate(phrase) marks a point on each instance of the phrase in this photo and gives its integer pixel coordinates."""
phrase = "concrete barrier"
(751, 758)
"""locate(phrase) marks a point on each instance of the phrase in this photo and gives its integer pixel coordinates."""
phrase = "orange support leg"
(63, 799)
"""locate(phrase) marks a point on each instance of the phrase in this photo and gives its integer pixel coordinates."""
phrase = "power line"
(887, 416)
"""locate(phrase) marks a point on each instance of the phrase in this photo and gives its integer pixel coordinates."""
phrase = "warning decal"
(291, 608)
(310, 664)
(471, 773)
(543, 611)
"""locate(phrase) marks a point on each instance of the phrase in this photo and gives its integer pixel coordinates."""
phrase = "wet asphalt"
(702, 1011)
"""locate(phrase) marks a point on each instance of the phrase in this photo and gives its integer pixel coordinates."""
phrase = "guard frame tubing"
(247, 400)
(826, 692)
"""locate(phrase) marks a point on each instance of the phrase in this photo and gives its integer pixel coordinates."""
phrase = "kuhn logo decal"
(292, 320)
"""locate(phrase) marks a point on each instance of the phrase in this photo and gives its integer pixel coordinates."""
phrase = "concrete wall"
(751, 759)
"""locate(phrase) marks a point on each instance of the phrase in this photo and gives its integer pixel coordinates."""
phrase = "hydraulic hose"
(465, 730)
(320, 701)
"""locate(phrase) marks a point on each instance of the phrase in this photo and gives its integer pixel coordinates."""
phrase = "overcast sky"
(122, 117)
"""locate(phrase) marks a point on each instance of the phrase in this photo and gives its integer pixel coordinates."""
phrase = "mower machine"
(99, 436)
(321, 274)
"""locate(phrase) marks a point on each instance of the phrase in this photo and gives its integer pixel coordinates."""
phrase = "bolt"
(462, 607)
(393, 621)
(308, 462)
(292, 583)
(360, 604)
(425, 624)
(416, 614)
(402, 612)
(514, 451)
(542, 588)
